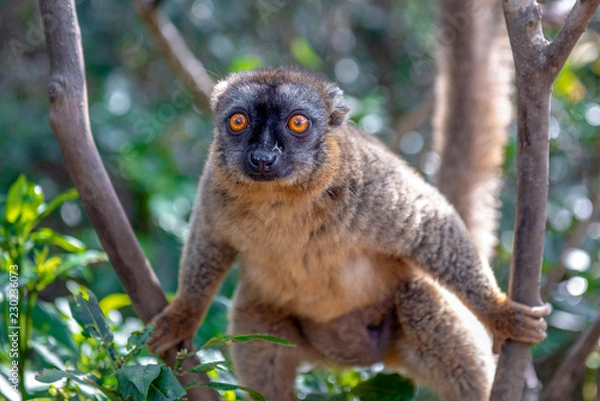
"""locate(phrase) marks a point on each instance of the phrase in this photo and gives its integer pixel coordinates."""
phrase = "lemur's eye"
(238, 122)
(298, 123)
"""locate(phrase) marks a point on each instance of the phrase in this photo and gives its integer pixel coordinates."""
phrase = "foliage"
(29, 267)
(125, 375)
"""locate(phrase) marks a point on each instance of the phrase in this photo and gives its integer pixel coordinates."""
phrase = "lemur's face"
(271, 125)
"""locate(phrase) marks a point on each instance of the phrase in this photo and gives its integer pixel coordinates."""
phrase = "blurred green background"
(154, 140)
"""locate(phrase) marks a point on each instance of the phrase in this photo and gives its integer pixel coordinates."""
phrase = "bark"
(69, 120)
(537, 63)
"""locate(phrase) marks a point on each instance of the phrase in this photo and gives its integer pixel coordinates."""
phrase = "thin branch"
(173, 48)
(558, 51)
(69, 120)
(571, 370)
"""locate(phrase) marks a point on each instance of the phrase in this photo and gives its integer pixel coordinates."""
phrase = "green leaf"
(207, 367)
(89, 316)
(49, 270)
(135, 381)
(34, 198)
(305, 54)
(47, 354)
(49, 236)
(81, 259)
(139, 338)
(385, 387)
(14, 199)
(244, 338)
(114, 302)
(165, 387)
(127, 388)
(54, 375)
(49, 319)
(255, 395)
(47, 208)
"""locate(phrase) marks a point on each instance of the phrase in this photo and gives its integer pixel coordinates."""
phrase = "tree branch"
(533, 113)
(537, 64)
(571, 370)
(558, 51)
(69, 120)
(173, 48)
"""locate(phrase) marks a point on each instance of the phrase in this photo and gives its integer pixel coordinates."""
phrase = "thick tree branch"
(173, 48)
(571, 370)
(69, 120)
(537, 64)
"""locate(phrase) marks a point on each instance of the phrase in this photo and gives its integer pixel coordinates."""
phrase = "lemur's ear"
(217, 91)
(339, 109)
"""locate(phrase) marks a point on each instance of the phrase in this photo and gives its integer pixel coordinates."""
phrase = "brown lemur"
(344, 250)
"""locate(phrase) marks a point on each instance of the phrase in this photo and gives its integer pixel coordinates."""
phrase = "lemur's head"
(272, 125)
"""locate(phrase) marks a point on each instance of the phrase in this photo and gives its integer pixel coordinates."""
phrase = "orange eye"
(237, 122)
(298, 123)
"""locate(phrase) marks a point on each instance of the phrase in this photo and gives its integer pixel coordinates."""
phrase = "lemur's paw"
(172, 329)
(519, 322)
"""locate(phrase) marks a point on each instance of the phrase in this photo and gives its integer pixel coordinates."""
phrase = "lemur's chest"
(303, 260)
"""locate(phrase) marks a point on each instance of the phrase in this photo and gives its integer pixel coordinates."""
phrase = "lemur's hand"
(518, 322)
(174, 325)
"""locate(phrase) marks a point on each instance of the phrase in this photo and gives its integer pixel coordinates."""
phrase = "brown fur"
(347, 257)
(473, 111)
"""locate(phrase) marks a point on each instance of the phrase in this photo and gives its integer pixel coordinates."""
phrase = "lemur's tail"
(473, 111)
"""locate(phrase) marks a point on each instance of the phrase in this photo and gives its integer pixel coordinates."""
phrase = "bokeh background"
(154, 140)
